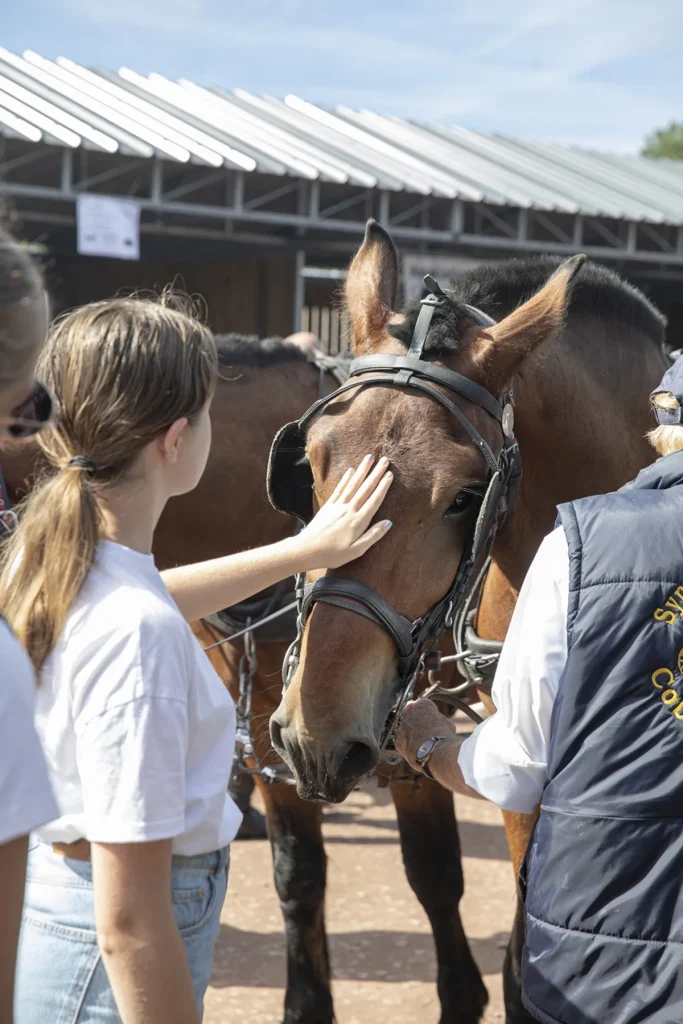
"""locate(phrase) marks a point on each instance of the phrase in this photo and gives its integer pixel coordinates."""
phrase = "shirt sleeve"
(132, 737)
(26, 798)
(506, 757)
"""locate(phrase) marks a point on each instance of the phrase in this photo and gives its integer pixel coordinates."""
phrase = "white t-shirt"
(26, 798)
(506, 757)
(137, 727)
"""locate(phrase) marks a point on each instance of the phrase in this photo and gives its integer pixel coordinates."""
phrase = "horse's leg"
(431, 855)
(518, 829)
(299, 865)
(294, 829)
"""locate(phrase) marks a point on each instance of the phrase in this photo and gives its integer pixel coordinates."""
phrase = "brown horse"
(261, 386)
(581, 359)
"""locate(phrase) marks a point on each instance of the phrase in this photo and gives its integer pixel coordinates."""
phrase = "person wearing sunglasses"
(589, 725)
(26, 799)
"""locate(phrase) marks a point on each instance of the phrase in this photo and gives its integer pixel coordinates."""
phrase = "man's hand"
(420, 720)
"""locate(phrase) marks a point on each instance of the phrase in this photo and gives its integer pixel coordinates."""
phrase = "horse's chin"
(332, 791)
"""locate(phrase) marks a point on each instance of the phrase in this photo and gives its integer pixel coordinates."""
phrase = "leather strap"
(427, 307)
(358, 597)
(394, 381)
(469, 389)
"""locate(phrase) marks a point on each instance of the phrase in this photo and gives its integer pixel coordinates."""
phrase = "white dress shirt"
(506, 757)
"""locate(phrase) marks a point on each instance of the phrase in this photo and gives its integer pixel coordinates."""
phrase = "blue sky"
(600, 73)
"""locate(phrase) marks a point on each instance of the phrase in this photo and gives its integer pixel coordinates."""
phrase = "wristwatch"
(425, 751)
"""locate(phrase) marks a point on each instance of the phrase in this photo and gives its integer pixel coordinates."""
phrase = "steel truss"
(185, 199)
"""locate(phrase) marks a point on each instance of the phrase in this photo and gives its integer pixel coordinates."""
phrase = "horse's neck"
(579, 433)
(229, 510)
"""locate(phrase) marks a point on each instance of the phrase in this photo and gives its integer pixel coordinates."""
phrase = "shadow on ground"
(477, 839)
(254, 959)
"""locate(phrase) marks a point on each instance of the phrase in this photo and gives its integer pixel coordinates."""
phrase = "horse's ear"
(371, 287)
(499, 350)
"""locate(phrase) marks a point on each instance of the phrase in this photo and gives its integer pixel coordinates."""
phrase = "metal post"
(299, 288)
(523, 225)
(157, 189)
(313, 200)
(457, 217)
(578, 231)
(679, 241)
(384, 208)
(631, 236)
(67, 170)
(238, 191)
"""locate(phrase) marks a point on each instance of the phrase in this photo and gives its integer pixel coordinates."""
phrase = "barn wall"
(253, 295)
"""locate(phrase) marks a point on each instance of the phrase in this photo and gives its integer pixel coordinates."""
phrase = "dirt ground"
(381, 947)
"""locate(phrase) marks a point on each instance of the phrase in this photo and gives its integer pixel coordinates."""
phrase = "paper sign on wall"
(108, 226)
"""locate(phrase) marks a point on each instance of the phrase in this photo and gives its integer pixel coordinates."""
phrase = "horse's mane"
(498, 289)
(250, 350)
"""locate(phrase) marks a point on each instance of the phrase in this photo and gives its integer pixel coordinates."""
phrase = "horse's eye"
(464, 500)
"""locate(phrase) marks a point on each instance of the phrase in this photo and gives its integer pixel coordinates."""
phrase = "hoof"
(253, 826)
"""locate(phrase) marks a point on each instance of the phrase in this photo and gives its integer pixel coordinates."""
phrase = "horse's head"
(330, 723)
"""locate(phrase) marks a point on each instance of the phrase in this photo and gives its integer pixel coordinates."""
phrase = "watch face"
(425, 749)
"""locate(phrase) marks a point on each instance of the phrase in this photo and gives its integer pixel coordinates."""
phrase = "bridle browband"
(413, 640)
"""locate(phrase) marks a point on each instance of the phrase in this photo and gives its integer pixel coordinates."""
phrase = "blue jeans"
(61, 978)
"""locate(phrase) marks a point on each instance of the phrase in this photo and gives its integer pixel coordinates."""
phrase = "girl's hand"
(341, 530)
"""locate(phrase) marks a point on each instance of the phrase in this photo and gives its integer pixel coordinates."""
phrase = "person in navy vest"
(589, 724)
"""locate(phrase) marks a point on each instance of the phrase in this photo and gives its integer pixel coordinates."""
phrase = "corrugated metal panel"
(63, 104)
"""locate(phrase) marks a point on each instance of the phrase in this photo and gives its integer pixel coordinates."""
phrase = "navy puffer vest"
(603, 877)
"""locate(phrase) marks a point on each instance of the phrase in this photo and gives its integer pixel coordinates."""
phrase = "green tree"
(665, 143)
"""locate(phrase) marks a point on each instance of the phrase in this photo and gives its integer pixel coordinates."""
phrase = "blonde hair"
(666, 439)
(122, 372)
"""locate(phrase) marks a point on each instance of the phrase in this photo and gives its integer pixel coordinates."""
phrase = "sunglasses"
(31, 415)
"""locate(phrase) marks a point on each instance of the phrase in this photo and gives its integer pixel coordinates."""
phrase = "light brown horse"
(582, 359)
(263, 385)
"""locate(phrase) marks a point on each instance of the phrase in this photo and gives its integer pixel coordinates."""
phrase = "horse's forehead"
(378, 416)
(424, 442)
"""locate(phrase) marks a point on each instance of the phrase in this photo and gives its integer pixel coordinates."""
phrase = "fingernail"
(388, 524)
(369, 458)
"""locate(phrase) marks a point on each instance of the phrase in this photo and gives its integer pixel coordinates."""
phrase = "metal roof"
(63, 104)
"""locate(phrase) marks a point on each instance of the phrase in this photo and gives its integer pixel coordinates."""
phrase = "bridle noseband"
(289, 490)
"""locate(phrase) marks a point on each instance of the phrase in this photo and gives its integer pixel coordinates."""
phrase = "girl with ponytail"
(125, 887)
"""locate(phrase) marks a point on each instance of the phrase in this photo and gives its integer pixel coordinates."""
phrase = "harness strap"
(358, 597)
(469, 389)
(427, 307)
(394, 380)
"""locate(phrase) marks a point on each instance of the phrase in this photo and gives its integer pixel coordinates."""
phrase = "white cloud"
(584, 71)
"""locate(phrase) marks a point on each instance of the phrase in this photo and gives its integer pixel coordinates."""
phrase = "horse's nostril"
(356, 760)
(276, 735)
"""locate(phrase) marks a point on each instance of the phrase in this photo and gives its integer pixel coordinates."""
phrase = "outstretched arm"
(339, 533)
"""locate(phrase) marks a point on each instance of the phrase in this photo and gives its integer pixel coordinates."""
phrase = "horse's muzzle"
(320, 772)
